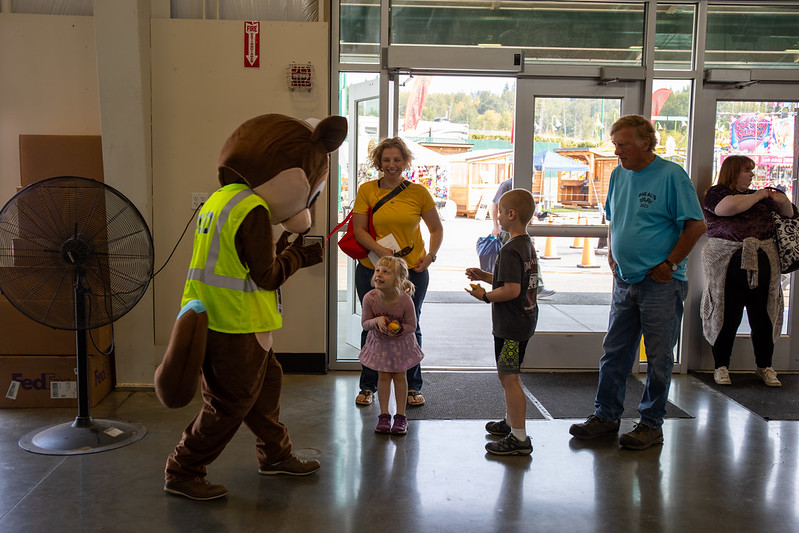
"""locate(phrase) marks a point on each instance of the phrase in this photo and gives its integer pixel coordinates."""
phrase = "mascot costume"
(272, 169)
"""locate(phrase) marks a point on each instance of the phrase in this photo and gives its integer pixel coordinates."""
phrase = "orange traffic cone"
(577, 243)
(588, 257)
(549, 250)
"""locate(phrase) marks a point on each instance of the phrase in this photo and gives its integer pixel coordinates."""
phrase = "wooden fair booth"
(591, 188)
(474, 177)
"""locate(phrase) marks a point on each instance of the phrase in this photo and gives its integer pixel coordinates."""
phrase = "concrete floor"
(724, 470)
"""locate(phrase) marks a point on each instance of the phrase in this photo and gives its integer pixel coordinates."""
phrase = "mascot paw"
(283, 241)
(312, 255)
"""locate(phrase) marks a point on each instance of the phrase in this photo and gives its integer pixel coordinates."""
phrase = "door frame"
(584, 349)
(548, 349)
(357, 94)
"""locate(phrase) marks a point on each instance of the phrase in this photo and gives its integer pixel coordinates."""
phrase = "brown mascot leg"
(234, 374)
(273, 443)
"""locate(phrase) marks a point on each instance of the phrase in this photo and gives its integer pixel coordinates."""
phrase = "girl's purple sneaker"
(400, 426)
(383, 423)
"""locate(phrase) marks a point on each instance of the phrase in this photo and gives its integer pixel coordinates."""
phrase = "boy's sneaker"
(769, 376)
(722, 376)
(641, 437)
(500, 428)
(510, 445)
(595, 427)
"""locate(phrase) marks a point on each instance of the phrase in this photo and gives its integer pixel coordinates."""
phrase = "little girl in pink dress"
(391, 348)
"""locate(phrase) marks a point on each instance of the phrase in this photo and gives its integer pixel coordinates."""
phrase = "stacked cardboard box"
(38, 364)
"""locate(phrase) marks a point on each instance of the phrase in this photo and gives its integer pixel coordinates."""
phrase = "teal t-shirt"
(647, 210)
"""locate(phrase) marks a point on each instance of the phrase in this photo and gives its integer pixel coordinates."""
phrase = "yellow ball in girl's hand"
(393, 326)
(474, 286)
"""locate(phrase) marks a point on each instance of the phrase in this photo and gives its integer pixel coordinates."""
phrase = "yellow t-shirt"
(401, 216)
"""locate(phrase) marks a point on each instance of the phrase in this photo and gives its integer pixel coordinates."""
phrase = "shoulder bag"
(348, 243)
(786, 236)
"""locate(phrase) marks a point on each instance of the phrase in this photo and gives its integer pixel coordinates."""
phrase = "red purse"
(348, 243)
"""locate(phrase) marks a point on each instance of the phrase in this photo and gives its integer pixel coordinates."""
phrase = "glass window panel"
(51, 7)
(755, 36)
(577, 128)
(674, 37)
(273, 10)
(359, 28)
(549, 32)
(671, 110)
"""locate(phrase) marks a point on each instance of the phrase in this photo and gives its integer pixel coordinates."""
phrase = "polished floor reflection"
(724, 470)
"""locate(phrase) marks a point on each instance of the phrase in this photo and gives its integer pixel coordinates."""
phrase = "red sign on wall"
(252, 44)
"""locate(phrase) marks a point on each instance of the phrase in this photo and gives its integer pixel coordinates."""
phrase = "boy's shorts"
(509, 355)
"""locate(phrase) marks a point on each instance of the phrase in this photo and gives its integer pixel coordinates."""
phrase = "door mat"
(770, 403)
(571, 394)
(463, 395)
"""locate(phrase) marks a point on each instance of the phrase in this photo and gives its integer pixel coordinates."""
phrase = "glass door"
(760, 122)
(361, 106)
(563, 155)
(459, 131)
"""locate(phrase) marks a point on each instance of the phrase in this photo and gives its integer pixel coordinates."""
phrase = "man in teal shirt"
(654, 221)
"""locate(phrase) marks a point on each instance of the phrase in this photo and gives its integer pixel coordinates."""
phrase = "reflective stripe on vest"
(236, 304)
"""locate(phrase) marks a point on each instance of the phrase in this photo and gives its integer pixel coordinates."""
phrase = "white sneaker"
(722, 376)
(769, 376)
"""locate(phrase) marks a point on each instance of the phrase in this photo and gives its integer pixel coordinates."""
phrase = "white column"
(122, 34)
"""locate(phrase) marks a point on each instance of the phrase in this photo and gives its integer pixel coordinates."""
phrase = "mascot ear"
(331, 132)
(178, 375)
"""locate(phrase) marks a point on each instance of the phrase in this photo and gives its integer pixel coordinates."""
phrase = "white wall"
(48, 84)
(200, 92)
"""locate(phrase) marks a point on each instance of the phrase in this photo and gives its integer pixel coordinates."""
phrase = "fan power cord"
(177, 243)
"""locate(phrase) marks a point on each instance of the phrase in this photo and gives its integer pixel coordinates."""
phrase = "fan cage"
(69, 236)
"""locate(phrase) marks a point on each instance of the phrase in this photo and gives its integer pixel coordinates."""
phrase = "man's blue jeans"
(363, 284)
(654, 309)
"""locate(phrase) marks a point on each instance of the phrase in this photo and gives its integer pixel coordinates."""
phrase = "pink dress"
(386, 353)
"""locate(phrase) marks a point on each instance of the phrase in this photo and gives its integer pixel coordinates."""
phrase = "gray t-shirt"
(516, 263)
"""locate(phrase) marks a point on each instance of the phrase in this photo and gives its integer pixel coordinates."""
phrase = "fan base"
(84, 435)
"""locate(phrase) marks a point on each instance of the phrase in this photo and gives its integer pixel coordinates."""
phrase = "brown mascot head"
(285, 161)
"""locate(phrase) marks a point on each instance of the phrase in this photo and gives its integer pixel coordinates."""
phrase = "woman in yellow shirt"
(400, 217)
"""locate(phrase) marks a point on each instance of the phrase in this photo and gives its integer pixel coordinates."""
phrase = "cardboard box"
(51, 381)
(19, 335)
(48, 156)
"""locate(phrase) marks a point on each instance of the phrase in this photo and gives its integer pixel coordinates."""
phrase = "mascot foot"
(197, 488)
(291, 465)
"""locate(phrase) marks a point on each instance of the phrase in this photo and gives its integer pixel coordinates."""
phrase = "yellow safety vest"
(216, 275)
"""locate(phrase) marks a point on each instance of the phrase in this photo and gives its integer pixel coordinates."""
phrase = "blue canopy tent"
(554, 162)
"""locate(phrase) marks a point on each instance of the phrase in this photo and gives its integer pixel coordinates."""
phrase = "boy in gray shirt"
(514, 314)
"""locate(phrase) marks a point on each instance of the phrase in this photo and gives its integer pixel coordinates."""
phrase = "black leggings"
(738, 295)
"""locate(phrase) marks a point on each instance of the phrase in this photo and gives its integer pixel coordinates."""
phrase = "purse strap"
(398, 189)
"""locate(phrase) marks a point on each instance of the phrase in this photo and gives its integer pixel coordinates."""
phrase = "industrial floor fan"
(75, 254)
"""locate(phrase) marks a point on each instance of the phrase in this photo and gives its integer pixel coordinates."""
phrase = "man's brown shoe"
(292, 466)
(197, 488)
